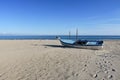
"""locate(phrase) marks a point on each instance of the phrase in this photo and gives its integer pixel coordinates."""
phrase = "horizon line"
(55, 35)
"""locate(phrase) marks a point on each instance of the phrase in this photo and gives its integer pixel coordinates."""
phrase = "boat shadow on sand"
(59, 46)
(56, 46)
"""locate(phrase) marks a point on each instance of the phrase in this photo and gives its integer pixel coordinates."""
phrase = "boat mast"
(76, 33)
(69, 34)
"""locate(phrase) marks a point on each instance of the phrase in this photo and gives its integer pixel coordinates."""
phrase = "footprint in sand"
(95, 75)
(113, 70)
(110, 76)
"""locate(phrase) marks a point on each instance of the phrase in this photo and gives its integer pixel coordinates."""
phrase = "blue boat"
(86, 44)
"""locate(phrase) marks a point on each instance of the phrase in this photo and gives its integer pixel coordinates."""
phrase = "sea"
(53, 37)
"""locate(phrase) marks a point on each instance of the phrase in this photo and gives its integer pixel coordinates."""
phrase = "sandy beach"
(48, 60)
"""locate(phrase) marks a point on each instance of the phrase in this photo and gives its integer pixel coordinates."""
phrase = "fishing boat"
(86, 44)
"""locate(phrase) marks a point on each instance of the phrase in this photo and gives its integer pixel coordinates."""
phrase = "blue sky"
(53, 17)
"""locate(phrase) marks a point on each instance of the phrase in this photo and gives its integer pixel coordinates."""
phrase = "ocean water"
(53, 37)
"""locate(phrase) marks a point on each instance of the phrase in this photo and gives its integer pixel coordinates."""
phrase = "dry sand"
(46, 60)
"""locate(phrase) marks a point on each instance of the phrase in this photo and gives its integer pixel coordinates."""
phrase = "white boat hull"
(82, 46)
(90, 47)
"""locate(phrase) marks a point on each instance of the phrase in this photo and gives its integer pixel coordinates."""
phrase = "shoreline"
(56, 39)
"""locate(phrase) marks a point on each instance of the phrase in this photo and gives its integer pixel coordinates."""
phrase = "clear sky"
(51, 17)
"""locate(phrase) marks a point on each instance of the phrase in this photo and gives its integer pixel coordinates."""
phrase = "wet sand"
(48, 60)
